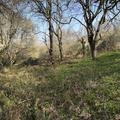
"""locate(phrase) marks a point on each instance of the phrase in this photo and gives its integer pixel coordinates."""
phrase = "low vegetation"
(86, 90)
(59, 60)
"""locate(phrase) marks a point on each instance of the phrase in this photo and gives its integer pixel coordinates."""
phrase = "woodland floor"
(82, 90)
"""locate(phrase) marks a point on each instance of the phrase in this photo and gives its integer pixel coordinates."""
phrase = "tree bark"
(60, 49)
(51, 42)
(83, 47)
(59, 30)
(50, 30)
(92, 46)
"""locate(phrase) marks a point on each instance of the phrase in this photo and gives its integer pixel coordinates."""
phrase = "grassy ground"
(84, 90)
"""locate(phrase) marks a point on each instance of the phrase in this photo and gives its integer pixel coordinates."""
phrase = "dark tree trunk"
(50, 31)
(51, 42)
(60, 49)
(92, 46)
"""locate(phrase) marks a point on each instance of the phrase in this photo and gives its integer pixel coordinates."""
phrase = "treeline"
(18, 34)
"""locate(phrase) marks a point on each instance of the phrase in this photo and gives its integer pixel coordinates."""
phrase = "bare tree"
(44, 8)
(58, 31)
(15, 33)
(93, 10)
(90, 11)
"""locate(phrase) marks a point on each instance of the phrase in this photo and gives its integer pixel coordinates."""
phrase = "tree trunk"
(83, 47)
(60, 49)
(51, 42)
(59, 30)
(92, 46)
(50, 30)
(83, 50)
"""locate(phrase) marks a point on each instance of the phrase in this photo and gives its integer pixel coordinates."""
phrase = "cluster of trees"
(90, 14)
(16, 33)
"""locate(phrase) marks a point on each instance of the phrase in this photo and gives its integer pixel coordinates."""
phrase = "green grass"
(83, 90)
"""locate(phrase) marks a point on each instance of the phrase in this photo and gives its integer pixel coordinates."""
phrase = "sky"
(42, 27)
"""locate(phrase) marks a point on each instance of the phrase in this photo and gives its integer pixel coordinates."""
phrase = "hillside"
(80, 90)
